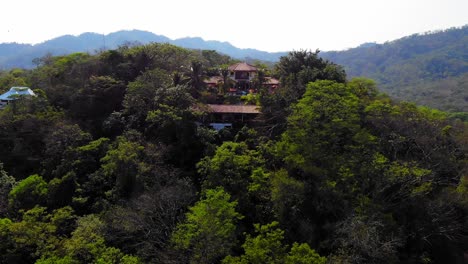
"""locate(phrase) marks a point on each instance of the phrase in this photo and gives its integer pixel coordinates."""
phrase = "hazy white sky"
(275, 25)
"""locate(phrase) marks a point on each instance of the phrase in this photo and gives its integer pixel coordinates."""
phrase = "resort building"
(242, 75)
(13, 94)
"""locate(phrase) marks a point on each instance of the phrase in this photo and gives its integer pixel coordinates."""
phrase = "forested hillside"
(430, 69)
(111, 163)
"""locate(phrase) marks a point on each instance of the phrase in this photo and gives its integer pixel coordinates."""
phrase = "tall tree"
(268, 247)
(197, 75)
(209, 231)
(299, 68)
(295, 71)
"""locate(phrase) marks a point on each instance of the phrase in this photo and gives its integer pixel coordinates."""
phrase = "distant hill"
(21, 55)
(430, 69)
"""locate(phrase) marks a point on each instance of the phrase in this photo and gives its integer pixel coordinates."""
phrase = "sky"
(275, 25)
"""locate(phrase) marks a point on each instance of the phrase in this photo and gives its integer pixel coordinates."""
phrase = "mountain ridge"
(410, 67)
(20, 55)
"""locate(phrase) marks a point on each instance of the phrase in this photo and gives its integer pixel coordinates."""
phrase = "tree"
(213, 58)
(139, 98)
(37, 234)
(122, 164)
(365, 89)
(92, 104)
(28, 193)
(226, 80)
(172, 122)
(323, 126)
(196, 78)
(87, 245)
(145, 224)
(209, 231)
(299, 68)
(171, 114)
(267, 247)
(296, 71)
(15, 77)
(259, 80)
(59, 146)
(23, 127)
(231, 167)
(7, 182)
(367, 239)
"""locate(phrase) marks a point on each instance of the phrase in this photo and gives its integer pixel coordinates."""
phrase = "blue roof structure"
(16, 92)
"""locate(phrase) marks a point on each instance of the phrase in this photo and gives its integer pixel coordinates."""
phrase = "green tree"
(171, 114)
(197, 75)
(303, 254)
(227, 82)
(28, 193)
(299, 68)
(92, 104)
(7, 244)
(59, 146)
(123, 164)
(139, 98)
(61, 76)
(295, 71)
(231, 167)
(7, 183)
(209, 231)
(14, 77)
(267, 247)
(23, 128)
(365, 89)
(87, 245)
(37, 234)
(324, 125)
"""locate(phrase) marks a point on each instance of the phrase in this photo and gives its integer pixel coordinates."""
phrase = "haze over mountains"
(430, 69)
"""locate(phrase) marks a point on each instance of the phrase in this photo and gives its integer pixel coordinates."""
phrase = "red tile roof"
(242, 66)
(234, 109)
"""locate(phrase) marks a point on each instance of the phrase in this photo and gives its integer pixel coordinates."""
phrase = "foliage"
(145, 224)
(113, 162)
(295, 71)
(208, 232)
(28, 192)
(324, 124)
(86, 245)
(37, 234)
(96, 101)
(251, 99)
(267, 247)
(7, 182)
(299, 68)
(123, 164)
(231, 168)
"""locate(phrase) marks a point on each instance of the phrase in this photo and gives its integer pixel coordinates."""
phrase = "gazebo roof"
(14, 92)
(242, 66)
